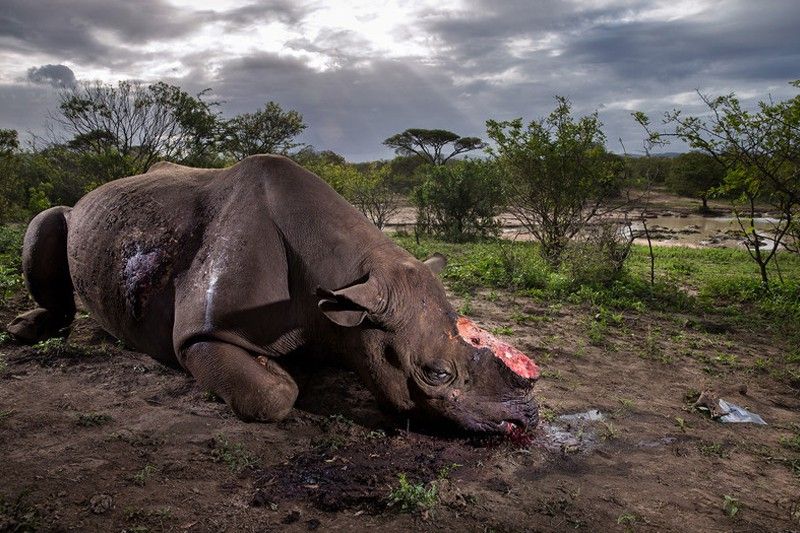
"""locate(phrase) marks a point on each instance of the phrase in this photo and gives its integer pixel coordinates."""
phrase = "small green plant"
(234, 455)
(548, 415)
(597, 332)
(682, 424)
(5, 338)
(56, 344)
(412, 496)
(466, 306)
(792, 442)
(502, 330)
(625, 406)
(628, 520)
(93, 419)
(761, 365)
(608, 431)
(140, 478)
(713, 449)
(731, 506)
(444, 472)
(555, 375)
(726, 359)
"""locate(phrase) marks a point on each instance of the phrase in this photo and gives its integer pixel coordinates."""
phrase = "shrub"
(459, 202)
(599, 258)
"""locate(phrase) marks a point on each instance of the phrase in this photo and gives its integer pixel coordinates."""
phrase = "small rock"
(100, 503)
(313, 524)
(743, 389)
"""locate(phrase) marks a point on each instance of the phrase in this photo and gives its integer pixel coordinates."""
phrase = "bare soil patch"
(98, 438)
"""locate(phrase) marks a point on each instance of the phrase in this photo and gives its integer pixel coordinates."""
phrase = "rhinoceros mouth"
(511, 425)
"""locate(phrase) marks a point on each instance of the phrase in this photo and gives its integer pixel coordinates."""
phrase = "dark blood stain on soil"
(362, 475)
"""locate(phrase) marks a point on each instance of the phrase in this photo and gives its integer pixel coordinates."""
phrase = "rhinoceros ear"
(436, 262)
(350, 305)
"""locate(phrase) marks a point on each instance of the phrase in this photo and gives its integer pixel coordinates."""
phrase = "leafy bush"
(558, 174)
(10, 259)
(600, 257)
(459, 202)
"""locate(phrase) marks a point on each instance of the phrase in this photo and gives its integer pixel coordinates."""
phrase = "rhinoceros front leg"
(256, 390)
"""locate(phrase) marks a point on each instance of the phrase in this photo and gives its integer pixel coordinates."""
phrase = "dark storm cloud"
(74, 30)
(287, 11)
(350, 109)
(490, 60)
(686, 48)
(55, 75)
(615, 58)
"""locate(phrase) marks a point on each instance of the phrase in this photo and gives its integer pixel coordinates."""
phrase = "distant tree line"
(554, 174)
(101, 132)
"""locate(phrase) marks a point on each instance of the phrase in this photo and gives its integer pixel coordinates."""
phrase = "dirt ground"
(97, 438)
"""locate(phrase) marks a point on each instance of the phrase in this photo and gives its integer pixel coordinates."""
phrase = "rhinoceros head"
(419, 357)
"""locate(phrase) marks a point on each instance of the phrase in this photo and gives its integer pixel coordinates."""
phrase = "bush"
(10, 259)
(558, 174)
(459, 202)
(600, 258)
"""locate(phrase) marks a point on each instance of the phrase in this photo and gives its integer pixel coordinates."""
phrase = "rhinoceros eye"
(436, 375)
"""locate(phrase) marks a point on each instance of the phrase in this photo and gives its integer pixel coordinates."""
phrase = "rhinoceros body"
(226, 272)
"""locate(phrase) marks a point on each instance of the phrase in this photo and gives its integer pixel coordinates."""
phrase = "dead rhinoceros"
(228, 271)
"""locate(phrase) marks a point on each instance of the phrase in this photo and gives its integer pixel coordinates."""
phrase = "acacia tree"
(695, 174)
(140, 123)
(760, 151)
(430, 144)
(558, 174)
(267, 131)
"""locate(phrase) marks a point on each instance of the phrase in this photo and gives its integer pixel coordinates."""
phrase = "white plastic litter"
(734, 414)
(592, 415)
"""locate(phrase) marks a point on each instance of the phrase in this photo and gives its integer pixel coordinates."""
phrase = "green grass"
(234, 455)
(719, 281)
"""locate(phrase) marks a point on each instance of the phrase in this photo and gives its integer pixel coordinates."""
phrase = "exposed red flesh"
(514, 359)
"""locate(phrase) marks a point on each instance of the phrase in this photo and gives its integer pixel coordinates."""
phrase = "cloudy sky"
(360, 71)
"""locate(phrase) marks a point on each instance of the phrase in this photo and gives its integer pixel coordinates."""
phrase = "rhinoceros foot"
(36, 325)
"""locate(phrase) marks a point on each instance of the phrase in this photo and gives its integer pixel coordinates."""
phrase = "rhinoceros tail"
(46, 270)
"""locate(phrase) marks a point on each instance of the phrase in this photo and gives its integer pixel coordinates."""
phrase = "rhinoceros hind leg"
(44, 263)
(36, 325)
(256, 390)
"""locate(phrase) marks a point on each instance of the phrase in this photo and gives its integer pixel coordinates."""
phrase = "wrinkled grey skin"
(226, 272)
